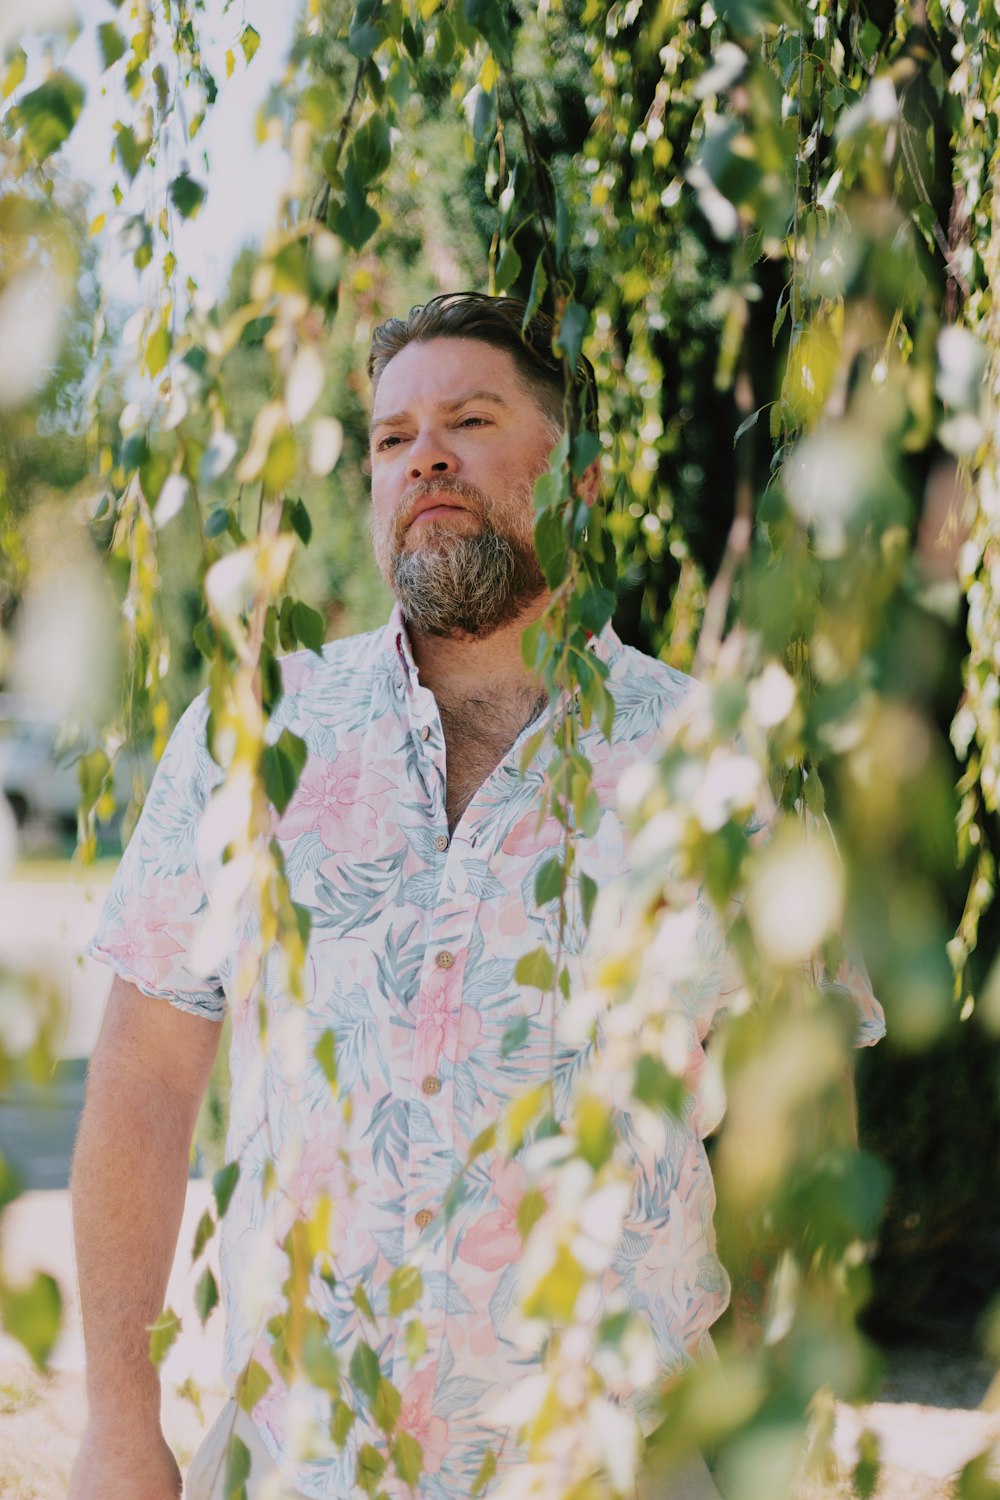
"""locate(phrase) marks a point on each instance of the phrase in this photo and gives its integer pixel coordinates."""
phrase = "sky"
(244, 181)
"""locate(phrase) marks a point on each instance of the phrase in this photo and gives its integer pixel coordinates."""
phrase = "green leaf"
(536, 969)
(595, 1131)
(484, 1141)
(355, 221)
(488, 17)
(319, 1360)
(539, 285)
(371, 150)
(515, 1035)
(386, 1406)
(656, 1087)
(551, 547)
(487, 1469)
(310, 627)
(203, 636)
(32, 1315)
(237, 1468)
(299, 519)
(217, 523)
(303, 920)
(282, 765)
(520, 1113)
(111, 43)
(11, 1182)
(370, 1468)
(408, 1457)
(746, 424)
(866, 1470)
(530, 1210)
(157, 350)
(555, 1295)
(249, 42)
(162, 1334)
(202, 1235)
(325, 1053)
(280, 463)
(14, 73)
(186, 195)
(360, 1299)
(416, 1341)
(223, 1185)
(572, 327)
(588, 895)
(549, 881)
(362, 39)
(253, 1384)
(341, 1422)
(206, 1296)
(47, 115)
(508, 268)
(131, 152)
(92, 771)
(364, 1369)
(405, 1287)
(586, 448)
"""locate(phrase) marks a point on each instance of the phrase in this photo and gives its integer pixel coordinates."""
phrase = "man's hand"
(111, 1465)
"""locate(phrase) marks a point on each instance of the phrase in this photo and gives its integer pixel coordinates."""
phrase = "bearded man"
(413, 841)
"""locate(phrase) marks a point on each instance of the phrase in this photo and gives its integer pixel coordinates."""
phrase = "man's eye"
(389, 441)
(473, 421)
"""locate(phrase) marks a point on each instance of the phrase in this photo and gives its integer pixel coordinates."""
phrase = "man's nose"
(430, 457)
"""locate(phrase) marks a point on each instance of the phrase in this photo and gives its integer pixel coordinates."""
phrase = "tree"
(766, 226)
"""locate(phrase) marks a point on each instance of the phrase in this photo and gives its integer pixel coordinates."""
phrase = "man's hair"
(497, 321)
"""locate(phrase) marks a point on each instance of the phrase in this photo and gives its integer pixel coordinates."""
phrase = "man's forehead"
(444, 370)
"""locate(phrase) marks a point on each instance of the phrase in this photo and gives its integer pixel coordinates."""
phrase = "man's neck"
(463, 668)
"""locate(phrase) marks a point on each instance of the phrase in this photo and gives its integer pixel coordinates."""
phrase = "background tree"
(772, 229)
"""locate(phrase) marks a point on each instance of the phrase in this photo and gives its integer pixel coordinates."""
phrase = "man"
(412, 839)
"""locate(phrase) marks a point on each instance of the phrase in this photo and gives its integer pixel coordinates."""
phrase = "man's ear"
(366, 466)
(589, 484)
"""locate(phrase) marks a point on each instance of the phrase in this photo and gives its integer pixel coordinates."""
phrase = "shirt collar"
(396, 644)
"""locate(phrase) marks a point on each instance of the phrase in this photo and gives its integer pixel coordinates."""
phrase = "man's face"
(457, 442)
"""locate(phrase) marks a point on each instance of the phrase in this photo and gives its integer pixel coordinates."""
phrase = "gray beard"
(465, 585)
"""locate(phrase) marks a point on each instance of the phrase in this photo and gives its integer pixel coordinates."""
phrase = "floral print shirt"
(415, 936)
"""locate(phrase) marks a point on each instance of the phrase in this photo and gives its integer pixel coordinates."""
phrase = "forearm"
(129, 1179)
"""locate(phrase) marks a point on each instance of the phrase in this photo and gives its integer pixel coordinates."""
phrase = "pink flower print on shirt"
(526, 838)
(340, 800)
(319, 1168)
(494, 1241)
(147, 940)
(296, 672)
(416, 1418)
(446, 1027)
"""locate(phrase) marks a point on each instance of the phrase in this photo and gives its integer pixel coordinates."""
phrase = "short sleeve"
(158, 897)
(852, 978)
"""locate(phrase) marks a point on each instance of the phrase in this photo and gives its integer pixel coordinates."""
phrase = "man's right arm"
(147, 1077)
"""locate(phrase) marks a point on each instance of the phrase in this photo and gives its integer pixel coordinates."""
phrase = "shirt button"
(445, 960)
(431, 1085)
(425, 733)
(424, 1217)
(441, 843)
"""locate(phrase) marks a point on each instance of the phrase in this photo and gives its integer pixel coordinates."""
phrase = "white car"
(39, 759)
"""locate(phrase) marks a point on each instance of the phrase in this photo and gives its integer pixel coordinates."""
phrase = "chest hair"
(478, 732)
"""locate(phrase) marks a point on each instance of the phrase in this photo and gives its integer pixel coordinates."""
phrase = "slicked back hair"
(496, 321)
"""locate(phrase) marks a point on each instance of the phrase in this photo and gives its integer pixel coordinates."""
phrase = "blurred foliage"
(773, 230)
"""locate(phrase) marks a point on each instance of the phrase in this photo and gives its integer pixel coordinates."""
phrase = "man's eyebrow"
(397, 418)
